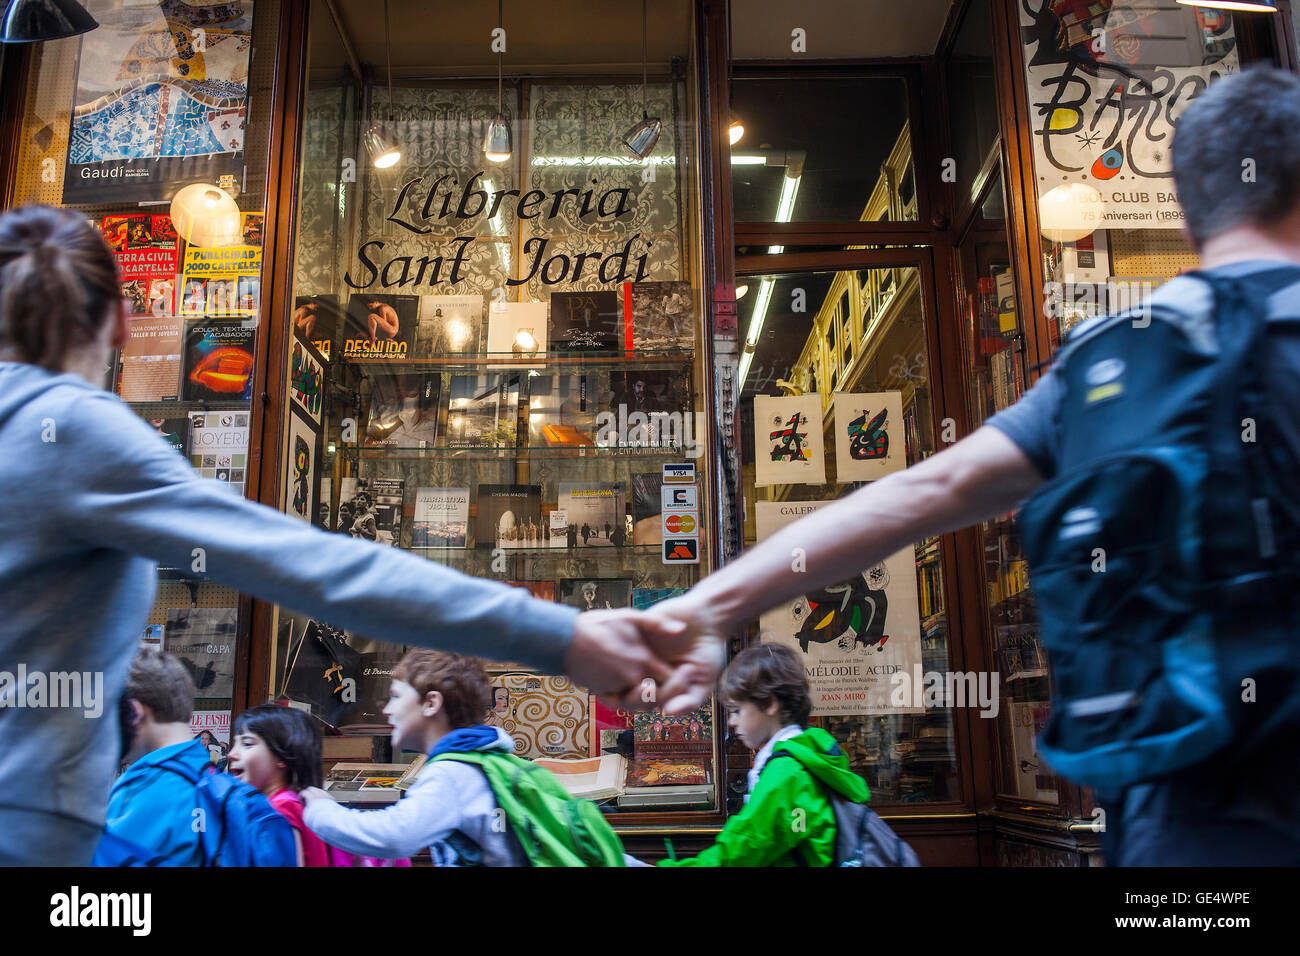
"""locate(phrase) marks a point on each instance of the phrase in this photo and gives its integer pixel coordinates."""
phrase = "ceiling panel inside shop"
(446, 39)
(761, 29)
(785, 331)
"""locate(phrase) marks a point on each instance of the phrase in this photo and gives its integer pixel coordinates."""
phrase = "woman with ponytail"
(105, 501)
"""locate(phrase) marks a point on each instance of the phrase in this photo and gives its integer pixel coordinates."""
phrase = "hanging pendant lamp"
(641, 138)
(380, 143)
(31, 21)
(496, 143)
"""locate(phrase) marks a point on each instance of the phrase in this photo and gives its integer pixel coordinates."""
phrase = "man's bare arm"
(984, 475)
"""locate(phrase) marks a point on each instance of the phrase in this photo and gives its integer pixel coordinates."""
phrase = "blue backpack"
(1164, 555)
(239, 826)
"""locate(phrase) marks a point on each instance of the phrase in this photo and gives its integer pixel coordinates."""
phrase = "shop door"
(851, 376)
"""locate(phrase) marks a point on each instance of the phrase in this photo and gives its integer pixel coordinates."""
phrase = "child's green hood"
(822, 757)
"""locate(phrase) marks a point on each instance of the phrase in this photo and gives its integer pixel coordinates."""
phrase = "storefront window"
(155, 127)
(497, 364)
(837, 393)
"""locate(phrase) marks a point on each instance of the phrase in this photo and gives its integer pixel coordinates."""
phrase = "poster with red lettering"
(145, 250)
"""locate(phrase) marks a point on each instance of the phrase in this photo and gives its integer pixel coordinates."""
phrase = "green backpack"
(553, 827)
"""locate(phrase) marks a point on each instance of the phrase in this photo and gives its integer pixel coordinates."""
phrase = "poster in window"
(306, 377)
(304, 466)
(160, 100)
(1106, 85)
(788, 447)
(145, 250)
(855, 636)
(868, 435)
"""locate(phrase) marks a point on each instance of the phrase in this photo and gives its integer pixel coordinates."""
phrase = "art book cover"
(662, 315)
(543, 591)
(643, 598)
(450, 325)
(371, 508)
(546, 716)
(219, 361)
(597, 510)
(853, 635)
(509, 516)
(203, 640)
(151, 360)
(153, 108)
(596, 594)
(403, 409)
(320, 320)
(868, 435)
(668, 772)
(649, 408)
(483, 411)
(219, 447)
(562, 410)
(647, 507)
(174, 431)
(441, 518)
(561, 535)
(585, 322)
(611, 729)
(152, 636)
(655, 734)
(223, 280)
(380, 326)
(788, 446)
(213, 728)
(517, 329)
(307, 377)
(303, 476)
(145, 248)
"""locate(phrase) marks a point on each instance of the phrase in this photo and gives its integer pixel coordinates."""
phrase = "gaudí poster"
(161, 99)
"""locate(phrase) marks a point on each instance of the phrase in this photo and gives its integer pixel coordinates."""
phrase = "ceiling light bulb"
(735, 131)
(382, 147)
(496, 144)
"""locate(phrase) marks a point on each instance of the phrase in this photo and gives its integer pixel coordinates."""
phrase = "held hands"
(644, 661)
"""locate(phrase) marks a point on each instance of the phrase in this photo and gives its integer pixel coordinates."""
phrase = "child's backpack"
(1163, 556)
(239, 825)
(553, 827)
(862, 838)
(114, 850)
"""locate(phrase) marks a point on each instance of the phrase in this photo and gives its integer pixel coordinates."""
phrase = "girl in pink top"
(277, 750)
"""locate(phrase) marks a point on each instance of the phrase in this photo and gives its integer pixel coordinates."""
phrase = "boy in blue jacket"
(151, 806)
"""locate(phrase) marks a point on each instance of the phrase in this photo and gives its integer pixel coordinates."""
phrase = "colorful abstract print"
(154, 118)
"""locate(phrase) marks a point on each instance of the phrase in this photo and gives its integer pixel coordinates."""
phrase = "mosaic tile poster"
(161, 99)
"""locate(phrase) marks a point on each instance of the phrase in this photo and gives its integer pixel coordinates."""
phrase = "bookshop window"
(173, 171)
(817, 150)
(864, 640)
(495, 357)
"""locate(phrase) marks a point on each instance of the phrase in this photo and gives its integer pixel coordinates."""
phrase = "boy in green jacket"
(788, 819)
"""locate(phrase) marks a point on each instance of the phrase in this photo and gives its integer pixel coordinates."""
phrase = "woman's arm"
(116, 484)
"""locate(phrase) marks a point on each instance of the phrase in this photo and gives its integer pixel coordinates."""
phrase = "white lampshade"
(1070, 212)
(206, 216)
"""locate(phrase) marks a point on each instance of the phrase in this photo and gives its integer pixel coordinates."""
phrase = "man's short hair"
(1236, 152)
(161, 683)
(766, 673)
(464, 685)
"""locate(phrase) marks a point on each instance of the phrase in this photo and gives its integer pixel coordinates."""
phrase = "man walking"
(1194, 744)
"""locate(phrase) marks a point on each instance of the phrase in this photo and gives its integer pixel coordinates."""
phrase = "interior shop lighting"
(31, 21)
(496, 143)
(1070, 212)
(206, 216)
(741, 290)
(784, 210)
(735, 131)
(641, 138)
(380, 143)
(1244, 6)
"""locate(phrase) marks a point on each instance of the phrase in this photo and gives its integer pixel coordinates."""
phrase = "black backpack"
(1164, 554)
(862, 838)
